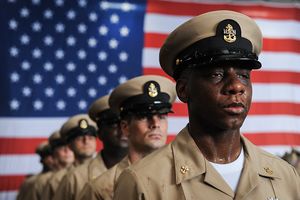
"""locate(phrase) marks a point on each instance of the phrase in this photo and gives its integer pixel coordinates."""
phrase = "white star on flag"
(71, 92)
(49, 92)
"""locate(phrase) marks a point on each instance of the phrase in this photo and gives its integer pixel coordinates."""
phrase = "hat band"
(75, 132)
(144, 102)
(214, 49)
(57, 143)
(147, 109)
(45, 152)
(107, 117)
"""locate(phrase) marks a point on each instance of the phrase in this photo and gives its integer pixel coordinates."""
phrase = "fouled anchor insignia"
(152, 90)
(229, 34)
(83, 124)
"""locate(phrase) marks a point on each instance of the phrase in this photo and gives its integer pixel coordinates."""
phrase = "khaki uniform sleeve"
(88, 193)
(127, 187)
(65, 190)
(297, 182)
(33, 193)
(47, 194)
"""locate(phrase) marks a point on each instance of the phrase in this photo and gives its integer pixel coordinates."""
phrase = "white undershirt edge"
(231, 172)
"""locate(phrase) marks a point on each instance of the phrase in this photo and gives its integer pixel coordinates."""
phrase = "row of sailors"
(131, 123)
(71, 170)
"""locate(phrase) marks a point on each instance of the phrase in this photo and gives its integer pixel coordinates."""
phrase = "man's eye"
(163, 116)
(244, 75)
(217, 75)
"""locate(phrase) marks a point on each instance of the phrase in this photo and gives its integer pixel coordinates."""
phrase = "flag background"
(58, 56)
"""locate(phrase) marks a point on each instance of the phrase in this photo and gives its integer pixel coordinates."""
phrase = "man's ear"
(182, 90)
(124, 126)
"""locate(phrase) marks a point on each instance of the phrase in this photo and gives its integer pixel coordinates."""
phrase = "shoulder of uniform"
(162, 156)
(104, 180)
(272, 158)
(108, 175)
(270, 163)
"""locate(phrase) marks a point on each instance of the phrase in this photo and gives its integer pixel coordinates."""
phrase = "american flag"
(58, 56)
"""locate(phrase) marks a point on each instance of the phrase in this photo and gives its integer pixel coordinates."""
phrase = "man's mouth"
(235, 108)
(155, 136)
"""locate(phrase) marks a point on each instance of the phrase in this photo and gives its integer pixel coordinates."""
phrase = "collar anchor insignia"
(184, 169)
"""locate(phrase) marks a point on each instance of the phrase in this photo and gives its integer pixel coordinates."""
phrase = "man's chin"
(87, 154)
(156, 144)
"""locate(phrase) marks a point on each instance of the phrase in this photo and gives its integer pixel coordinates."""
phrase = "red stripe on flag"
(19, 145)
(192, 9)
(8, 183)
(281, 45)
(25, 145)
(257, 108)
(267, 139)
(276, 108)
(155, 40)
(259, 76)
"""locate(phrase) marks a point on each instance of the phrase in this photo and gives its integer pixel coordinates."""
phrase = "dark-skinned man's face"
(111, 135)
(218, 96)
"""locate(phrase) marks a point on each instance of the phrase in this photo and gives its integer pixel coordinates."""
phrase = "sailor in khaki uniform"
(143, 103)
(64, 159)
(80, 133)
(293, 158)
(25, 187)
(37, 183)
(211, 57)
(43, 151)
(115, 146)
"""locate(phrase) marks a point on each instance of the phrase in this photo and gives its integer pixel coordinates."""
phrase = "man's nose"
(234, 85)
(154, 121)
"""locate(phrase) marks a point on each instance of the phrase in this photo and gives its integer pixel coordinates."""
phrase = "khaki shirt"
(102, 187)
(37, 191)
(180, 171)
(25, 187)
(54, 182)
(74, 181)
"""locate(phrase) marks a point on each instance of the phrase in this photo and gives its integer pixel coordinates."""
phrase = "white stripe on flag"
(271, 61)
(8, 195)
(19, 164)
(274, 92)
(280, 61)
(252, 124)
(288, 28)
(30, 127)
(271, 124)
(165, 24)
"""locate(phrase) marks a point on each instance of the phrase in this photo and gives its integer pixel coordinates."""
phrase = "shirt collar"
(190, 162)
